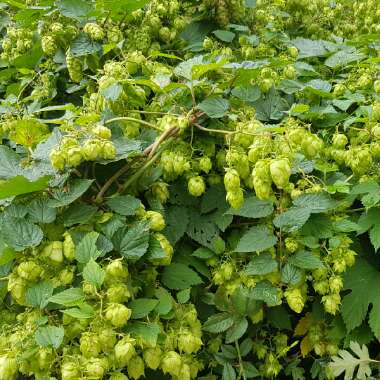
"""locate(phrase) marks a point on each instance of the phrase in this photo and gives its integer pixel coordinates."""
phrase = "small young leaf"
(215, 107)
(218, 323)
(68, 297)
(142, 307)
(49, 336)
(179, 276)
(39, 294)
(256, 239)
(93, 273)
(124, 204)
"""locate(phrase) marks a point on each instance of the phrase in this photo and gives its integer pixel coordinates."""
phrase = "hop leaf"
(347, 362)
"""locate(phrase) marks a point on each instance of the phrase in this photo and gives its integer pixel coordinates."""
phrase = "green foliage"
(189, 189)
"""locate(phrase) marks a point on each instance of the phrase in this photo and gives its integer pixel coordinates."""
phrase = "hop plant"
(94, 31)
(74, 67)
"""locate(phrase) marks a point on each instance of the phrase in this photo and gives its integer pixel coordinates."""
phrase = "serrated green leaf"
(183, 296)
(123, 6)
(228, 372)
(261, 264)
(20, 185)
(343, 58)
(87, 248)
(309, 48)
(21, 234)
(290, 274)
(147, 332)
(179, 276)
(265, 291)
(174, 230)
(215, 107)
(346, 363)
(218, 323)
(224, 35)
(38, 295)
(292, 219)
(253, 208)
(68, 297)
(84, 311)
(49, 336)
(73, 190)
(73, 8)
(374, 235)
(124, 205)
(78, 214)
(237, 330)
(305, 260)
(93, 273)
(362, 280)
(83, 45)
(40, 212)
(247, 93)
(256, 239)
(141, 307)
(132, 243)
(315, 202)
(165, 301)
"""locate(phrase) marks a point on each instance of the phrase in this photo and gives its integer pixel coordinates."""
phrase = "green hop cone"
(235, 198)
(68, 247)
(291, 244)
(116, 271)
(312, 146)
(107, 338)
(160, 191)
(17, 287)
(196, 186)
(189, 343)
(118, 376)
(295, 299)
(29, 270)
(118, 314)
(293, 51)
(118, 293)
(136, 368)
(74, 156)
(102, 132)
(74, 67)
(231, 180)
(8, 367)
(54, 251)
(89, 345)
(171, 363)
(152, 357)
(96, 368)
(94, 31)
(49, 45)
(168, 249)
(124, 351)
(205, 164)
(263, 189)
(331, 303)
(376, 86)
(336, 284)
(91, 150)
(185, 372)
(156, 219)
(280, 171)
(108, 150)
(70, 370)
(321, 286)
(57, 159)
(339, 141)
